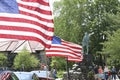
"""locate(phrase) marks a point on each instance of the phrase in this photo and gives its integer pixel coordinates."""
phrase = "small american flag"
(26, 20)
(4, 75)
(66, 49)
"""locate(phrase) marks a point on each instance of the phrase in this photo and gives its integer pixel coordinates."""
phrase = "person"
(106, 70)
(96, 72)
(100, 73)
(45, 67)
(113, 71)
(54, 73)
(119, 73)
(109, 75)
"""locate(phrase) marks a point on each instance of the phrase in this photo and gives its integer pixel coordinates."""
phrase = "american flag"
(26, 20)
(66, 49)
(4, 75)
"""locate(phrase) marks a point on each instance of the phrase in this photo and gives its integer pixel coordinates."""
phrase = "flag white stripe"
(62, 53)
(23, 33)
(36, 13)
(27, 25)
(47, 8)
(26, 17)
(66, 51)
(71, 44)
(65, 47)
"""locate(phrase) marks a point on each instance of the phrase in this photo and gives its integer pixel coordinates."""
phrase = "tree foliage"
(59, 63)
(76, 17)
(3, 60)
(112, 48)
(25, 60)
(69, 20)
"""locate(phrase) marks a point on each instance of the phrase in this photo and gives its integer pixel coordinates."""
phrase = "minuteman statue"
(85, 43)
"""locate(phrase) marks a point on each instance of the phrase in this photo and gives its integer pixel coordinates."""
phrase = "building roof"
(16, 46)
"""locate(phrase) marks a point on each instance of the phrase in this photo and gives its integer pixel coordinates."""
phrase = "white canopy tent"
(16, 46)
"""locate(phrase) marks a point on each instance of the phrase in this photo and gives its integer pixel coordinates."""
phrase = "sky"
(51, 3)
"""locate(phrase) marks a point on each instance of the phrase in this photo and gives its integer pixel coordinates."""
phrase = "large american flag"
(26, 20)
(66, 49)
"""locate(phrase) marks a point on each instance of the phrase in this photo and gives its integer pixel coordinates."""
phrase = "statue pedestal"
(86, 64)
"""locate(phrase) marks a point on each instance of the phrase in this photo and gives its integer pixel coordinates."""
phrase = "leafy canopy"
(26, 60)
(3, 60)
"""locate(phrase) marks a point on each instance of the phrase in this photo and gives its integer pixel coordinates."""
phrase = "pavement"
(116, 78)
(111, 79)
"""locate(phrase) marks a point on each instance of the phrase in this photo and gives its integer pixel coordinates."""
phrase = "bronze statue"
(85, 43)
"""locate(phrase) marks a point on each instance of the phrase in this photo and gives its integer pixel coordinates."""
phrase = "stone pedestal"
(74, 74)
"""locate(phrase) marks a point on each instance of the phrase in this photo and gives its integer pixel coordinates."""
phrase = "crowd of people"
(105, 73)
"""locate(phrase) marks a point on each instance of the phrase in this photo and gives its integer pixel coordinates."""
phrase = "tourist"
(119, 73)
(106, 70)
(96, 72)
(54, 73)
(113, 71)
(100, 73)
(109, 75)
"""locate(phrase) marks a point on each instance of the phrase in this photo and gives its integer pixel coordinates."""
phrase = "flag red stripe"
(75, 60)
(61, 55)
(61, 51)
(36, 9)
(26, 21)
(15, 28)
(40, 2)
(65, 55)
(65, 43)
(61, 47)
(36, 16)
(72, 46)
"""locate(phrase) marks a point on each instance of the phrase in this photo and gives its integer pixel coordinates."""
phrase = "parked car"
(8, 75)
(42, 75)
(20, 75)
(26, 76)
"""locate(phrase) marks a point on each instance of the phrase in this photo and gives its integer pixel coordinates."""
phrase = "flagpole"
(67, 68)
(46, 64)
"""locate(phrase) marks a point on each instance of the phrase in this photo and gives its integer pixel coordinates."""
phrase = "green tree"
(112, 48)
(75, 17)
(69, 19)
(3, 60)
(59, 63)
(25, 60)
(99, 21)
